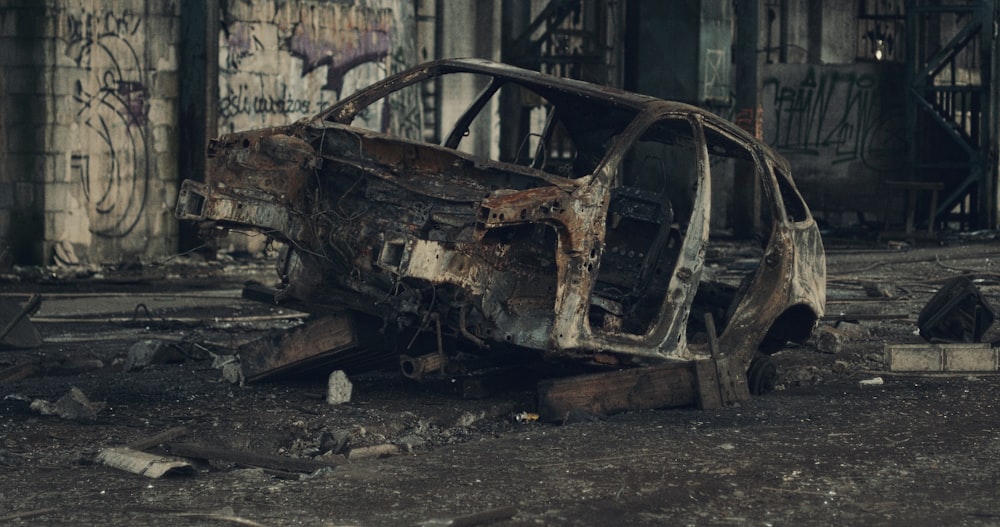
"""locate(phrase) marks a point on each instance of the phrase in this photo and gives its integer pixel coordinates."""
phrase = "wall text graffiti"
(240, 101)
(836, 112)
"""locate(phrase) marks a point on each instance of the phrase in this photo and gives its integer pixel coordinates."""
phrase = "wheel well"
(794, 325)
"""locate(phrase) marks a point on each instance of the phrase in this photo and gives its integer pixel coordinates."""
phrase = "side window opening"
(795, 206)
(565, 134)
(650, 204)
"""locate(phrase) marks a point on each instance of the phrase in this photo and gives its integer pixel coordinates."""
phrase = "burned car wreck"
(578, 227)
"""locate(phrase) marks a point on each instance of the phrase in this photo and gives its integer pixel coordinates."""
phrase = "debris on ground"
(73, 406)
(16, 329)
(873, 381)
(143, 463)
(339, 388)
(453, 450)
(958, 312)
(974, 357)
(152, 351)
(246, 458)
(474, 519)
(382, 450)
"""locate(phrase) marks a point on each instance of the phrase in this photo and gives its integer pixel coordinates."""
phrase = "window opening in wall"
(880, 30)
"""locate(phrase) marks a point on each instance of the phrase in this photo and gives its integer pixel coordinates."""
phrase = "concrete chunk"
(338, 388)
(940, 357)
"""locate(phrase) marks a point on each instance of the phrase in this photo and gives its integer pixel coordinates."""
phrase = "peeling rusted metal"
(581, 257)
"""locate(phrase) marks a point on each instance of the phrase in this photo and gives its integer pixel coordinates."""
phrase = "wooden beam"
(158, 439)
(660, 386)
(316, 342)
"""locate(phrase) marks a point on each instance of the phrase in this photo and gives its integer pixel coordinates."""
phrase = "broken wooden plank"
(158, 439)
(316, 342)
(20, 371)
(973, 357)
(241, 457)
(660, 386)
(707, 381)
(143, 463)
(732, 378)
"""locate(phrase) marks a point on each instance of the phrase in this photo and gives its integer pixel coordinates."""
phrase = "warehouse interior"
(882, 106)
(232, 292)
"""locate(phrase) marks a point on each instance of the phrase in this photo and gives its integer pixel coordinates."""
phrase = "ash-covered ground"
(822, 448)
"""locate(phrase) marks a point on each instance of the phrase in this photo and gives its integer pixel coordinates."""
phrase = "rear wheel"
(761, 375)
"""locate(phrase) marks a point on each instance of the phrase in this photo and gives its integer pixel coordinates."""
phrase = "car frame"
(488, 254)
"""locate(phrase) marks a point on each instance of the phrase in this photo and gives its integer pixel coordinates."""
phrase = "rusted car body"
(586, 239)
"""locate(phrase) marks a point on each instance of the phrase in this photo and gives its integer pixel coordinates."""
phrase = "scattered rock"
(338, 388)
(468, 419)
(76, 365)
(874, 381)
(830, 339)
(229, 365)
(151, 351)
(411, 441)
(73, 406)
(802, 376)
(877, 290)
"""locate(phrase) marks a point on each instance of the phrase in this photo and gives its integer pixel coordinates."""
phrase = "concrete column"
(199, 94)
(747, 192)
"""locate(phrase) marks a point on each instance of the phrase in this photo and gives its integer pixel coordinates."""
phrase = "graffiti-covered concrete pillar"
(94, 86)
(283, 60)
(91, 117)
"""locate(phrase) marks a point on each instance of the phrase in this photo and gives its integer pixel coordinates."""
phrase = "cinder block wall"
(91, 140)
(89, 107)
(283, 60)
(22, 116)
(841, 126)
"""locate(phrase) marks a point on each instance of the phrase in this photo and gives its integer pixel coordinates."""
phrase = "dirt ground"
(822, 448)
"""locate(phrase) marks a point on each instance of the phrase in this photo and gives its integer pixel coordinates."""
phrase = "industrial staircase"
(948, 56)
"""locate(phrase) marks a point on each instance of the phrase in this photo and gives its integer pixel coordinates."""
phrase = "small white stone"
(338, 388)
(874, 381)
